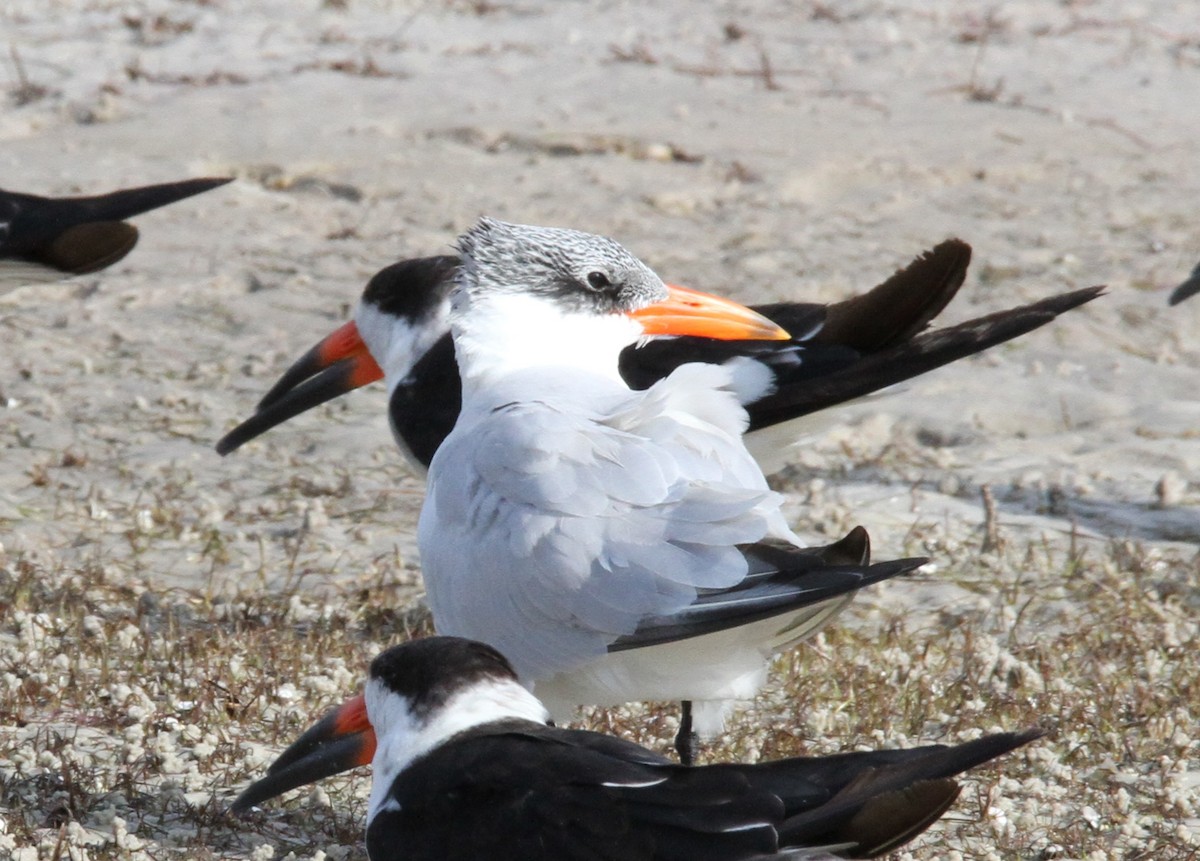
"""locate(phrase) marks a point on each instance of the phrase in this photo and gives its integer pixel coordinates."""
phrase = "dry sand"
(766, 150)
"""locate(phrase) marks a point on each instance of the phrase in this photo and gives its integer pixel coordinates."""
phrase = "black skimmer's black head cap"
(428, 672)
(583, 271)
(412, 289)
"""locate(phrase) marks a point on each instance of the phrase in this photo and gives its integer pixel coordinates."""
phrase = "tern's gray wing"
(549, 532)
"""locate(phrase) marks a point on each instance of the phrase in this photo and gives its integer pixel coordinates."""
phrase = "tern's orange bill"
(690, 312)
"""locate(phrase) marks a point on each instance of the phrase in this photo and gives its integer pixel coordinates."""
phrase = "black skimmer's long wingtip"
(1189, 287)
(888, 804)
(903, 305)
(127, 202)
(79, 235)
(922, 353)
(101, 237)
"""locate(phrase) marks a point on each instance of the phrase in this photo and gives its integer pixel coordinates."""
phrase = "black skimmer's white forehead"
(839, 352)
(47, 238)
(465, 768)
(1190, 287)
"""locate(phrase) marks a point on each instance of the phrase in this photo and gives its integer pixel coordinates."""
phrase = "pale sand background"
(767, 150)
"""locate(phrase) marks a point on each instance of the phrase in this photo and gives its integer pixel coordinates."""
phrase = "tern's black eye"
(598, 281)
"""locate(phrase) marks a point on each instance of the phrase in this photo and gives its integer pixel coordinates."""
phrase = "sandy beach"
(765, 150)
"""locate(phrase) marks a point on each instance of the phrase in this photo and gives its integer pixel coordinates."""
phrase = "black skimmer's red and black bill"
(48, 238)
(465, 767)
(1190, 287)
(615, 544)
(839, 352)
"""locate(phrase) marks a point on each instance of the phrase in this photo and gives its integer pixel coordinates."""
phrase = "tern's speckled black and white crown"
(583, 271)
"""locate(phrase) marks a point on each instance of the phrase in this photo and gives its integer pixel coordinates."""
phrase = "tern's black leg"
(686, 742)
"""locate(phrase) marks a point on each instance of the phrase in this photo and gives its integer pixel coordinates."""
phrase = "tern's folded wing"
(549, 534)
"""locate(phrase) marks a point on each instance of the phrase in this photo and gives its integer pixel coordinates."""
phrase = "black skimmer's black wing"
(543, 793)
(829, 337)
(1189, 287)
(465, 769)
(910, 358)
(46, 238)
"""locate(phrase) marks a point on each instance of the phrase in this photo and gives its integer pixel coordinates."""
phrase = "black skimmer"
(465, 766)
(839, 352)
(1190, 287)
(48, 238)
(615, 545)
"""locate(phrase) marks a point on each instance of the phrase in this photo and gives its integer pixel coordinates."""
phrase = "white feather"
(20, 273)
(403, 737)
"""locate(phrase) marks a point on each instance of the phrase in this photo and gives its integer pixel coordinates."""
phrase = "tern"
(49, 238)
(465, 766)
(614, 544)
(838, 352)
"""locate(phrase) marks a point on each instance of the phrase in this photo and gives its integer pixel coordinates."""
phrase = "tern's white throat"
(498, 335)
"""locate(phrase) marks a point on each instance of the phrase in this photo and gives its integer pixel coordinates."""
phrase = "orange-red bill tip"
(338, 364)
(351, 719)
(343, 739)
(345, 343)
(690, 312)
